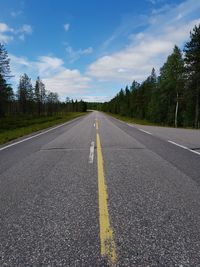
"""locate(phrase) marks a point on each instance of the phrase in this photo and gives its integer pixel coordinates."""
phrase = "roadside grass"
(133, 120)
(18, 126)
(146, 122)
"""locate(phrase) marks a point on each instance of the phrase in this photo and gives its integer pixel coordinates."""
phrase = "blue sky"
(89, 49)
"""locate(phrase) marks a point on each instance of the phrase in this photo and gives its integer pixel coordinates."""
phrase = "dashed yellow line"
(108, 248)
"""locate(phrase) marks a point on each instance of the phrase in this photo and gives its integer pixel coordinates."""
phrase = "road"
(100, 192)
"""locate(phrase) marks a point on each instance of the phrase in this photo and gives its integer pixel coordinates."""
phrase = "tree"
(172, 98)
(25, 94)
(52, 103)
(177, 68)
(40, 96)
(150, 86)
(192, 67)
(171, 84)
(133, 102)
(5, 90)
(4, 62)
(82, 106)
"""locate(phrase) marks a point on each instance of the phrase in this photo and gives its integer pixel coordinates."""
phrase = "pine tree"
(171, 85)
(192, 67)
(5, 90)
(52, 103)
(25, 94)
(4, 62)
(40, 96)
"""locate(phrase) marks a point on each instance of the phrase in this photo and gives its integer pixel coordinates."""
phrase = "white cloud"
(134, 62)
(56, 77)
(19, 66)
(66, 27)
(5, 28)
(7, 33)
(47, 65)
(43, 66)
(68, 82)
(76, 54)
(95, 98)
(148, 48)
(5, 38)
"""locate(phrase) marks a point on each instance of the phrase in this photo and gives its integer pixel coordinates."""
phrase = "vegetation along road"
(100, 192)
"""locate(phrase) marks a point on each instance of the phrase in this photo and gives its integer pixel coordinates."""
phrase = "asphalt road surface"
(100, 192)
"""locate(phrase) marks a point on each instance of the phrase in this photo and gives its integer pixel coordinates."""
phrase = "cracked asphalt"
(49, 212)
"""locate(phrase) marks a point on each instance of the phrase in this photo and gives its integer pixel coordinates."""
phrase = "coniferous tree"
(134, 92)
(52, 103)
(40, 96)
(4, 62)
(192, 67)
(5, 90)
(171, 85)
(25, 94)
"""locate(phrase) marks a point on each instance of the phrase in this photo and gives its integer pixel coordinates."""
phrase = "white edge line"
(91, 155)
(28, 138)
(198, 153)
(139, 129)
(184, 147)
(144, 131)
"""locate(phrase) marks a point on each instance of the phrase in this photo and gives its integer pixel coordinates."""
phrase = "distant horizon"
(89, 51)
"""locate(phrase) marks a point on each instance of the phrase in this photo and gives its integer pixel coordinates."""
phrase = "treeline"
(171, 98)
(94, 105)
(31, 100)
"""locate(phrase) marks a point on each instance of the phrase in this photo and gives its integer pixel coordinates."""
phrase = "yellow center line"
(108, 248)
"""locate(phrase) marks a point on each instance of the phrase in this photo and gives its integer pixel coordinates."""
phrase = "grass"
(146, 122)
(134, 120)
(17, 126)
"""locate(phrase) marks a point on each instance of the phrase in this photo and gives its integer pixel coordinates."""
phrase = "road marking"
(198, 153)
(91, 155)
(108, 248)
(36, 135)
(184, 147)
(139, 129)
(144, 131)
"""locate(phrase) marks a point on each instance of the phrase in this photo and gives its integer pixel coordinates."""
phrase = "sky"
(90, 49)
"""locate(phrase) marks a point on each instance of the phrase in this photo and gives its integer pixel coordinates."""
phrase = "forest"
(171, 98)
(30, 100)
(31, 107)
